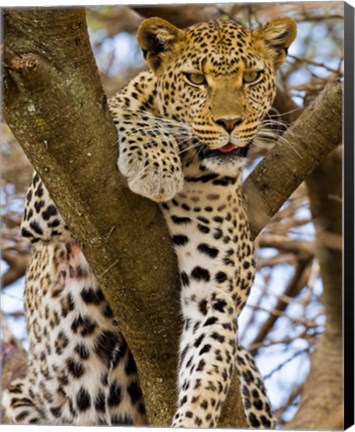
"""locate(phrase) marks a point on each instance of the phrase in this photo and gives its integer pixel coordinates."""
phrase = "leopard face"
(216, 78)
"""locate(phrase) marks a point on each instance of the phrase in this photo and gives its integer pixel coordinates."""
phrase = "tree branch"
(13, 356)
(17, 267)
(316, 132)
(293, 288)
(180, 15)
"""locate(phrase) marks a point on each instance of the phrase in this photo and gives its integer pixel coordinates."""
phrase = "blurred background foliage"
(284, 316)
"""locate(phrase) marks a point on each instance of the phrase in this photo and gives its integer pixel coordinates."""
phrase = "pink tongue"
(227, 148)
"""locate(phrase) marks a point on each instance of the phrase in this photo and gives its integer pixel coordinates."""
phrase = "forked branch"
(58, 113)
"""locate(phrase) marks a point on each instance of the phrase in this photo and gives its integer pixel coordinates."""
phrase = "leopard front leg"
(148, 158)
(256, 403)
(207, 358)
(216, 277)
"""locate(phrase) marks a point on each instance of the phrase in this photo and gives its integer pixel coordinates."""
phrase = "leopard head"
(217, 78)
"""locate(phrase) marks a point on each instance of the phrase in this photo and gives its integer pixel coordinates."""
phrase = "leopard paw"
(152, 178)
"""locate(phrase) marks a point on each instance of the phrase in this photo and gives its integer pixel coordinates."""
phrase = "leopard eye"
(251, 77)
(195, 79)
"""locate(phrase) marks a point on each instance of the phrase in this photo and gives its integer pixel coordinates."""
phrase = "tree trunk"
(322, 396)
(55, 105)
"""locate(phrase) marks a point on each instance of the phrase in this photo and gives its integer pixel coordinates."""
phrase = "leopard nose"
(229, 124)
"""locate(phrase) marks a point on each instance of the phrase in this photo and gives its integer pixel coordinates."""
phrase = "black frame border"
(348, 211)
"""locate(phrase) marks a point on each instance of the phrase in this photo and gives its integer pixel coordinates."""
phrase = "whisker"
(192, 146)
(278, 114)
(277, 140)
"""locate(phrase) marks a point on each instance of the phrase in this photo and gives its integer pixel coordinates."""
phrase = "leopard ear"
(157, 38)
(276, 36)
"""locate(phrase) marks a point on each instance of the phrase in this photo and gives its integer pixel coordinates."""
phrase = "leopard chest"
(211, 237)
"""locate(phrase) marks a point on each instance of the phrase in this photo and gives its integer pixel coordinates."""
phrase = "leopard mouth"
(229, 150)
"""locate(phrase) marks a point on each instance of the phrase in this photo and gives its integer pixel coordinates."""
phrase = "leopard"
(185, 128)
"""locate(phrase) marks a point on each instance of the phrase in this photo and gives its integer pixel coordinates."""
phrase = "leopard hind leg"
(125, 399)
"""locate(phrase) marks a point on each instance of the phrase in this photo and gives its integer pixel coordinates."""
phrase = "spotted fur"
(184, 129)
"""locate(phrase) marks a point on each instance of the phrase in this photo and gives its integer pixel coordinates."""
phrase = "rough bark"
(322, 396)
(55, 105)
